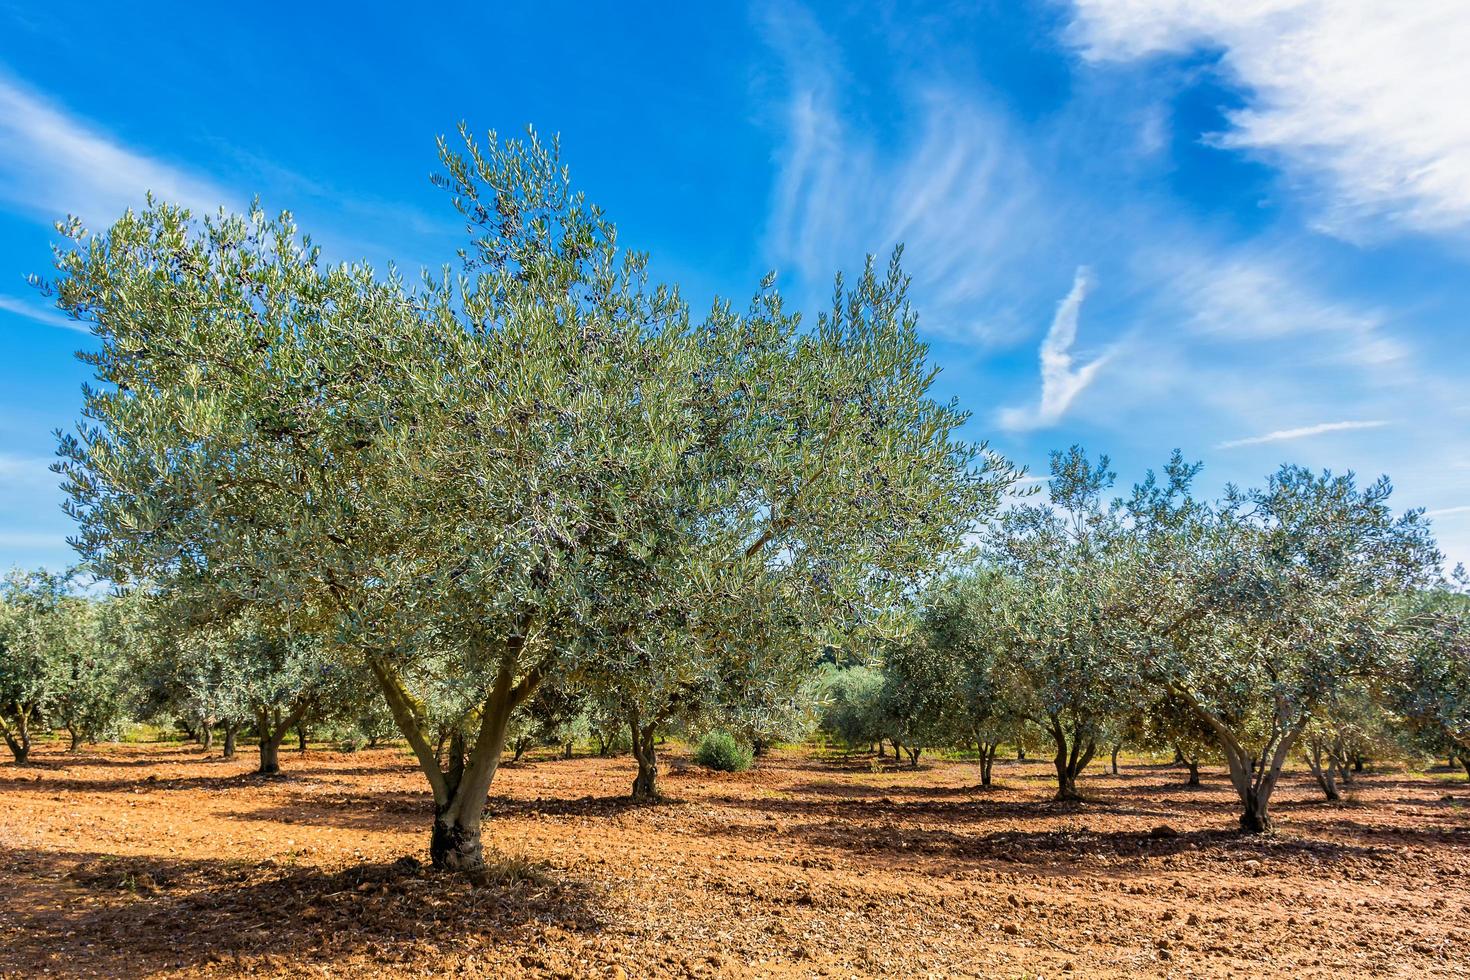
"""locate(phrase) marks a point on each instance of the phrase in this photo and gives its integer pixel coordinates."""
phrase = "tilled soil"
(141, 860)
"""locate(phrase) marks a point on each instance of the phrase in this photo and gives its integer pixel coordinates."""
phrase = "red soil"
(141, 860)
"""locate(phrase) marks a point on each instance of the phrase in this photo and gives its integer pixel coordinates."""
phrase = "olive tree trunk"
(1073, 755)
(270, 756)
(1254, 776)
(645, 785)
(273, 729)
(231, 729)
(987, 760)
(462, 789)
(1324, 769)
(18, 738)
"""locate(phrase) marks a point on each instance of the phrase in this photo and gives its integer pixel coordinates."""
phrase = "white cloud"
(1061, 383)
(959, 194)
(41, 314)
(1363, 100)
(1285, 435)
(25, 473)
(52, 164)
(1446, 511)
(33, 540)
(1256, 295)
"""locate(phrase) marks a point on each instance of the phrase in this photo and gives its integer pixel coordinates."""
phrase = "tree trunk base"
(453, 847)
(645, 785)
(1252, 822)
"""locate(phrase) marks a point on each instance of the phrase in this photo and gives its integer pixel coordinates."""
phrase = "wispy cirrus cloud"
(1359, 101)
(1061, 381)
(41, 314)
(1447, 511)
(957, 192)
(53, 164)
(1302, 432)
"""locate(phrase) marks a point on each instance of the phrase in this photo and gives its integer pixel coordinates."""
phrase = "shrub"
(352, 743)
(720, 751)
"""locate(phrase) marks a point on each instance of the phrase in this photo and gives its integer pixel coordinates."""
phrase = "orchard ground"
(136, 860)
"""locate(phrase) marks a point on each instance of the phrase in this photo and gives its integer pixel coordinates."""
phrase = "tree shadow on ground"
(583, 806)
(1068, 850)
(414, 810)
(91, 758)
(388, 810)
(863, 762)
(129, 916)
(1312, 816)
(833, 789)
(72, 784)
(957, 806)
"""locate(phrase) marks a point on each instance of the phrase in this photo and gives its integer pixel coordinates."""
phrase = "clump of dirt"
(137, 860)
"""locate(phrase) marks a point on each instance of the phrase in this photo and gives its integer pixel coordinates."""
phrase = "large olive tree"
(540, 466)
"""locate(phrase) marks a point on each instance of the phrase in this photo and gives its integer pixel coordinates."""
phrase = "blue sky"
(1239, 228)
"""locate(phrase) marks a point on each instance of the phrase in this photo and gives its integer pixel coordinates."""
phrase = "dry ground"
(138, 860)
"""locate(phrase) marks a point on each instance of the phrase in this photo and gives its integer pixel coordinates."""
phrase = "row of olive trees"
(1302, 616)
(89, 666)
(540, 472)
(61, 662)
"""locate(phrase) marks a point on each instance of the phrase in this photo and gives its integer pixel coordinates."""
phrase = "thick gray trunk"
(456, 846)
(1257, 816)
(645, 785)
(270, 753)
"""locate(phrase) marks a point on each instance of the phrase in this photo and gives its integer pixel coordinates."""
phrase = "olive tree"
(38, 624)
(1166, 723)
(1057, 562)
(91, 691)
(966, 637)
(852, 704)
(1432, 681)
(1261, 610)
(540, 467)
